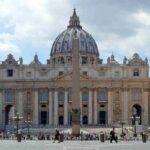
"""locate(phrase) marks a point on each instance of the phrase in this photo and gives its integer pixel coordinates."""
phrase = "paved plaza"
(72, 145)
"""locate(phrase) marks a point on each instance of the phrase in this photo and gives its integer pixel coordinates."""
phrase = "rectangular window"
(136, 94)
(9, 73)
(61, 73)
(136, 73)
(116, 73)
(9, 95)
(84, 60)
(28, 74)
(103, 95)
(84, 73)
(43, 95)
(85, 95)
(43, 73)
(102, 73)
(85, 106)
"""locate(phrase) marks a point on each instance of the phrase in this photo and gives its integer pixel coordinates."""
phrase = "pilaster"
(66, 108)
(90, 108)
(56, 107)
(95, 106)
(50, 108)
(36, 108)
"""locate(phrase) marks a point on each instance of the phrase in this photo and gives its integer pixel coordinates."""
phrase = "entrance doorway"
(44, 117)
(85, 120)
(8, 114)
(137, 110)
(102, 117)
(61, 120)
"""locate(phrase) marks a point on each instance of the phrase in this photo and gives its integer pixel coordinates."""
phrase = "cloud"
(117, 26)
(34, 24)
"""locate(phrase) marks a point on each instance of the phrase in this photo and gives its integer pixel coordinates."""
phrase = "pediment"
(136, 61)
(10, 60)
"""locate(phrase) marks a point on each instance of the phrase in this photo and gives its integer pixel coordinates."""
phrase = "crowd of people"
(60, 136)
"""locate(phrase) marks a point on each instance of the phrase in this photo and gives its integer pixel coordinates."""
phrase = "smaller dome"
(64, 42)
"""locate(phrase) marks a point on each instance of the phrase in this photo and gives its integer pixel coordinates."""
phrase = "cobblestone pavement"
(72, 145)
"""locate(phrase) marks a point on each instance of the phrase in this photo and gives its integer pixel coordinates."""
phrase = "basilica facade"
(42, 93)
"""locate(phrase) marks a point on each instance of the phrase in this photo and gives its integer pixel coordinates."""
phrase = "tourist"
(126, 135)
(57, 136)
(113, 136)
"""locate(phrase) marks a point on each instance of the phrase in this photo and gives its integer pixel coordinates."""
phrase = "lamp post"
(135, 118)
(28, 122)
(17, 118)
(122, 123)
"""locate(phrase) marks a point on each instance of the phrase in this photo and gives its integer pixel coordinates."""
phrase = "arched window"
(65, 45)
(85, 94)
(103, 94)
(90, 46)
(82, 45)
(61, 95)
(58, 46)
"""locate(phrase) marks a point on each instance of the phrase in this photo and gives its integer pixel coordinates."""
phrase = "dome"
(64, 42)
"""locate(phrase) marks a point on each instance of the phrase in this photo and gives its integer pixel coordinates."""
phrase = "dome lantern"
(74, 20)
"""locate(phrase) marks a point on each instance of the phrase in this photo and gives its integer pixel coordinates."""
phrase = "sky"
(119, 27)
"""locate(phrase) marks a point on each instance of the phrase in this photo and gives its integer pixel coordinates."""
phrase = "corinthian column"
(50, 108)
(66, 108)
(90, 108)
(56, 107)
(110, 106)
(125, 105)
(36, 109)
(145, 107)
(20, 102)
(95, 106)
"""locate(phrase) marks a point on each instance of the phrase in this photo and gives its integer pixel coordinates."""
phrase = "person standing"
(113, 136)
(57, 136)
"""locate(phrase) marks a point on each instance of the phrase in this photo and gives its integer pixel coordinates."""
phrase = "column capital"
(146, 90)
(20, 90)
(51, 89)
(35, 89)
(124, 89)
(110, 89)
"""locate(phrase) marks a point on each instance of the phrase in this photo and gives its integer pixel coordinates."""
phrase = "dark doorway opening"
(44, 117)
(102, 117)
(7, 114)
(61, 120)
(137, 110)
(85, 120)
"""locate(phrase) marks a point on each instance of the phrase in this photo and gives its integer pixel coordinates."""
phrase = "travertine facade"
(42, 92)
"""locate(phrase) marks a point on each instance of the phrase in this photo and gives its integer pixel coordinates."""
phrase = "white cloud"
(9, 48)
(36, 24)
(142, 17)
